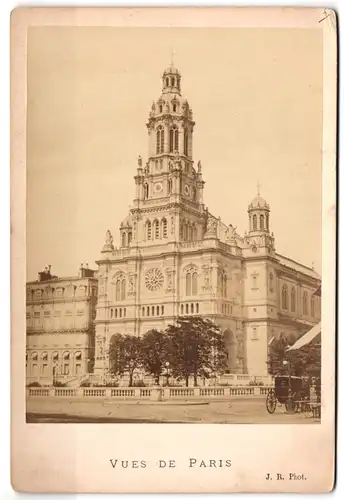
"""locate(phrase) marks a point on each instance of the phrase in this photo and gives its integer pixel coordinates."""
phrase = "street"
(231, 411)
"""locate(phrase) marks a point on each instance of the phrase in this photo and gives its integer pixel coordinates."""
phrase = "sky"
(256, 95)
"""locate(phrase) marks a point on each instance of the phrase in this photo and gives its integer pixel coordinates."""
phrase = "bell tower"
(168, 182)
(170, 126)
(259, 224)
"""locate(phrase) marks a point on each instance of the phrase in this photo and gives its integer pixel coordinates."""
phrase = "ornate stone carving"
(154, 279)
(131, 286)
(108, 242)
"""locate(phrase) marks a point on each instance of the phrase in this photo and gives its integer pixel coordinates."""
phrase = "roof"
(258, 202)
(171, 70)
(306, 338)
(285, 261)
(127, 221)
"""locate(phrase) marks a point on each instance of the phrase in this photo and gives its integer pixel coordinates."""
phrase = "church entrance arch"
(231, 346)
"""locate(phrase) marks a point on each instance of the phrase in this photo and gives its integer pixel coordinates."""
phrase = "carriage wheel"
(271, 401)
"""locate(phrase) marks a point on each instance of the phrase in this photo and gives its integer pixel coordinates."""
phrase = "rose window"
(154, 279)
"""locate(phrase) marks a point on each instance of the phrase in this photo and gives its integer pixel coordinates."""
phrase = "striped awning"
(306, 338)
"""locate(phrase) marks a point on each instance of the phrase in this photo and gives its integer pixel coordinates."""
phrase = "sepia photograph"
(177, 203)
(178, 240)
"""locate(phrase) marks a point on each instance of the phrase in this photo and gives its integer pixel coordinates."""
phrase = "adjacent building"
(175, 258)
(60, 314)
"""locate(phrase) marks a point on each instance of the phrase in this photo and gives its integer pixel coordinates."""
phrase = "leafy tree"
(154, 348)
(125, 355)
(276, 356)
(195, 348)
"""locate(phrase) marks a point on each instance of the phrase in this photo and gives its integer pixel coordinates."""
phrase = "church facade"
(175, 258)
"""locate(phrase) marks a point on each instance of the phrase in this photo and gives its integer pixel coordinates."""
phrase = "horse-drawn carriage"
(293, 393)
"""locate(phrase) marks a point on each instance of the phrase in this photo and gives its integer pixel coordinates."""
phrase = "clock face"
(158, 187)
(187, 190)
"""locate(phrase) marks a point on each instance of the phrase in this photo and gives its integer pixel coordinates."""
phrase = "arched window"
(174, 108)
(164, 228)
(284, 297)
(305, 303)
(116, 313)
(111, 313)
(182, 309)
(261, 218)
(194, 284)
(118, 289)
(157, 310)
(292, 301)
(197, 308)
(123, 290)
(194, 237)
(66, 360)
(152, 310)
(191, 283)
(312, 307)
(167, 82)
(160, 108)
(162, 310)
(267, 222)
(192, 308)
(169, 186)
(156, 229)
(143, 311)
(174, 139)
(123, 239)
(130, 237)
(160, 138)
(188, 284)
(172, 82)
(120, 312)
(145, 191)
(186, 145)
(149, 230)
(187, 309)
(148, 311)
(224, 285)
(254, 222)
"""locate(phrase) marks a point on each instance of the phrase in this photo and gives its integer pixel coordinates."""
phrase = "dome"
(258, 202)
(127, 222)
(171, 70)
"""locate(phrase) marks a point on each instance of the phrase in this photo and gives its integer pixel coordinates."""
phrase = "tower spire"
(258, 188)
(172, 56)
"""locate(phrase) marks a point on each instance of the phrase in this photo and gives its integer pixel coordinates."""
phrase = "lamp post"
(289, 402)
(167, 364)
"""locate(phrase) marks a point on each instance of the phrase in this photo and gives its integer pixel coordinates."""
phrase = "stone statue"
(231, 232)
(109, 238)
(139, 161)
(146, 169)
(199, 166)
